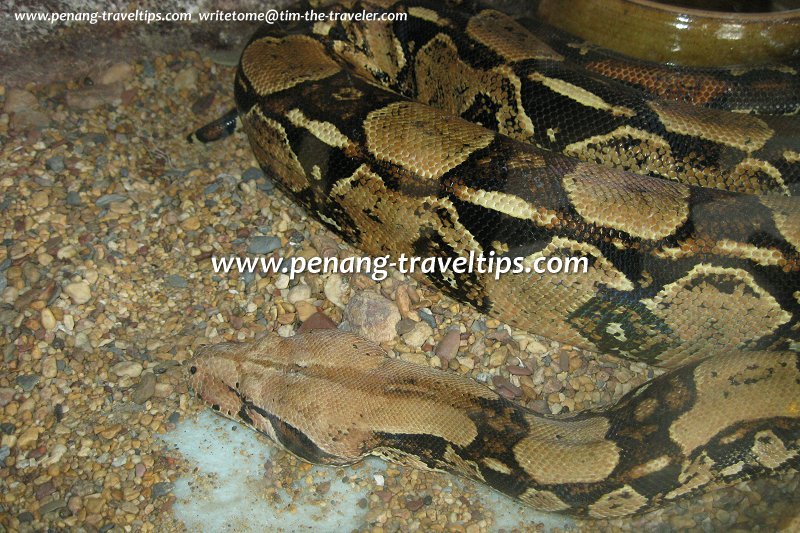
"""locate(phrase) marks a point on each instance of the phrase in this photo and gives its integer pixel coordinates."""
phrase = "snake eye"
(193, 369)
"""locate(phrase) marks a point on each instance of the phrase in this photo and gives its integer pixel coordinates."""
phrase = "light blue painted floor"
(226, 491)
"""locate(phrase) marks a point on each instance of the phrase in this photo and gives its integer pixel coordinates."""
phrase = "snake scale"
(440, 136)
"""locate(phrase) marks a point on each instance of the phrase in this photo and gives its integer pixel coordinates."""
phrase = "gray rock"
(27, 381)
(148, 69)
(144, 389)
(44, 180)
(162, 488)
(55, 163)
(52, 505)
(252, 173)
(427, 317)
(540, 406)
(266, 186)
(176, 281)
(263, 244)
(372, 316)
(5, 451)
(107, 199)
(404, 326)
(73, 199)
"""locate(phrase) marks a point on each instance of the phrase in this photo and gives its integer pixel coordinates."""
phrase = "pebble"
(75, 504)
(40, 200)
(517, 370)
(49, 367)
(252, 173)
(55, 163)
(129, 369)
(48, 319)
(162, 488)
(282, 282)
(27, 439)
(186, 79)
(372, 316)
(418, 335)
(6, 395)
(304, 310)
(404, 326)
(52, 505)
(27, 381)
(335, 288)
(74, 199)
(176, 281)
(145, 389)
(79, 292)
(552, 385)
(263, 244)
(427, 317)
(317, 321)
(299, 293)
(57, 453)
(448, 346)
(108, 199)
(191, 223)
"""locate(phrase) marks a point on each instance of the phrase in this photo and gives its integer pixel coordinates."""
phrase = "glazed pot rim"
(739, 18)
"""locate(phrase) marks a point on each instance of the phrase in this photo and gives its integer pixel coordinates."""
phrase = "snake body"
(701, 280)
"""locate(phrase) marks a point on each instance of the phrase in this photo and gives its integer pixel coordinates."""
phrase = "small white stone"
(79, 292)
(56, 453)
(127, 369)
(335, 288)
(379, 480)
(299, 293)
(49, 367)
(48, 319)
(282, 282)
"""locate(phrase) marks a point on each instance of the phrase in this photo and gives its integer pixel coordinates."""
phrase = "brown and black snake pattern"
(702, 280)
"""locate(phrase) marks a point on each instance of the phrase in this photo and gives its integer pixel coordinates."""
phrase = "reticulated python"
(701, 280)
